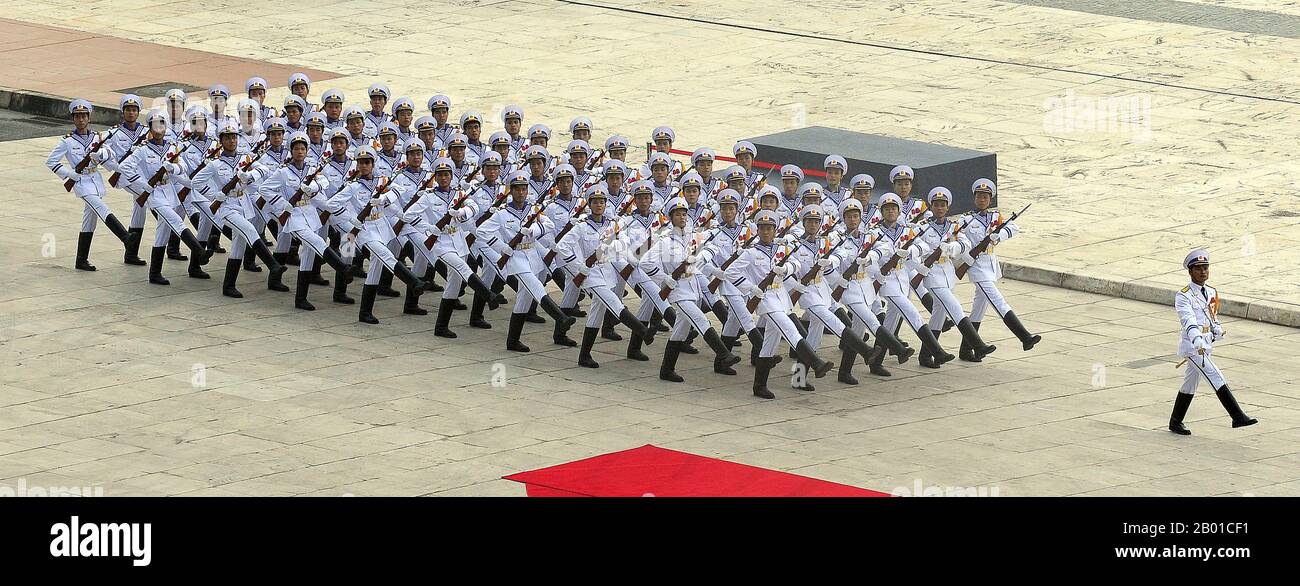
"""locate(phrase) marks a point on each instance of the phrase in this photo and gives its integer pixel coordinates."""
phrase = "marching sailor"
(66, 159)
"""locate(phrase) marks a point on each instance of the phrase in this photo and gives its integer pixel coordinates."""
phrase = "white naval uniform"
(859, 295)
(986, 270)
(895, 286)
(525, 263)
(304, 221)
(588, 237)
(633, 231)
(450, 248)
(119, 144)
(1197, 308)
(725, 239)
(89, 186)
(375, 232)
(941, 278)
(209, 181)
(748, 272)
(815, 297)
(673, 246)
(138, 169)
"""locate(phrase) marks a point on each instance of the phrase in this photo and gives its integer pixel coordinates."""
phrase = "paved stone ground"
(97, 383)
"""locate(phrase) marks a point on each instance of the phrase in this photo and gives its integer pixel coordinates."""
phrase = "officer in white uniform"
(986, 270)
(892, 235)
(87, 184)
(943, 233)
(376, 116)
(1197, 305)
(120, 141)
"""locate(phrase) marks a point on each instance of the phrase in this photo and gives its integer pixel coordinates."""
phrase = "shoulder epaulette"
(1187, 288)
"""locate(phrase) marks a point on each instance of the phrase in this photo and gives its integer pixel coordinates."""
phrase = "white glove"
(245, 177)
(220, 196)
(714, 272)
(98, 156)
(863, 261)
(90, 168)
(670, 283)
(1200, 344)
(825, 263)
(787, 270)
(311, 188)
(755, 291)
(951, 249)
(376, 202)
(996, 237)
(692, 259)
(463, 214)
(1218, 331)
(914, 253)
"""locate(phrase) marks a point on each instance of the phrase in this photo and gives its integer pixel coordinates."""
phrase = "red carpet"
(653, 471)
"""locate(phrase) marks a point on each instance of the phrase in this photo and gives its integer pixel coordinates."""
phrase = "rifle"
(984, 244)
(767, 282)
(234, 179)
(627, 270)
(297, 195)
(678, 272)
(848, 273)
(514, 242)
(139, 140)
(384, 184)
(893, 261)
(550, 256)
(212, 155)
(85, 161)
(716, 282)
(492, 209)
(935, 254)
(442, 222)
(808, 277)
(158, 175)
(401, 222)
(591, 163)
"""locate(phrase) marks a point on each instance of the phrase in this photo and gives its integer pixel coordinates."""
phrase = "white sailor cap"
(745, 147)
(537, 152)
(512, 111)
(663, 133)
(810, 211)
(766, 217)
(388, 129)
(674, 204)
(471, 117)
(196, 113)
(228, 128)
(443, 165)
(299, 78)
(365, 151)
(539, 131)
(642, 188)
(332, 96)
(130, 100)
(296, 101)
(983, 184)
(457, 141)
(616, 143)
(1199, 256)
(811, 190)
(499, 138)
(659, 158)
(218, 90)
(403, 104)
(275, 123)
(791, 172)
(316, 119)
(175, 95)
(247, 105)
(735, 173)
(692, 179)
(413, 144)
(578, 146)
(702, 154)
(850, 204)
(378, 89)
(615, 166)
(254, 83)
(768, 191)
(597, 191)
(939, 192)
(518, 178)
(490, 159)
(580, 123)
(730, 196)
(299, 137)
(901, 172)
(339, 134)
(439, 101)
(836, 162)
(862, 181)
(893, 198)
(424, 123)
(351, 112)
(564, 170)
(155, 115)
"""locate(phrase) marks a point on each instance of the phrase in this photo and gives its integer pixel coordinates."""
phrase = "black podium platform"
(934, 164)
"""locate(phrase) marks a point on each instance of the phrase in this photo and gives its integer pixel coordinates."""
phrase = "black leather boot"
(847, 358)
(808, 356)
(214, 242)
(584, 351)
(876, 364)
(554, 311)
(634, 345)
(638, 329)
(561, 335)
(198, 254)
(385, 287)
(315, 277)
(755, 345)
(341, 279)
(119, 230)
(927, 358)
(668, 368)
(1027, 340)
(83, 251)
(155, 266)
(1181, 404)
(723, 358)
(721, 310)
(512, 334)
(762, 369)
(887, 339)
(366, 311)
(476, 312)
(337, 263)
(275, 282)
(1239, 417)
(607, 329)
(404, 274)
(250, 258)
(442, 327)
(970, 336)
(966, 353)
(532, 317)
(276, 269)
(929, 340)
(687, 348)
(300, 292)
(412, 304)
(132, 255)
(174, 248)
(232, 276)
